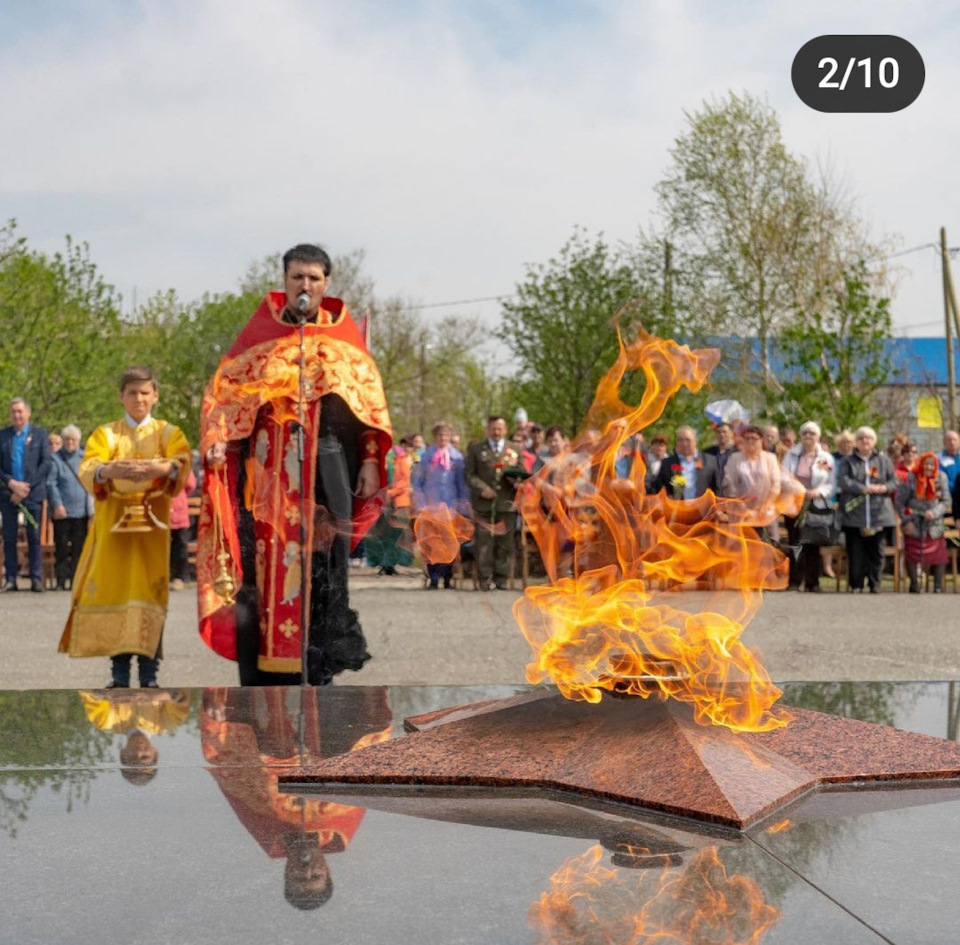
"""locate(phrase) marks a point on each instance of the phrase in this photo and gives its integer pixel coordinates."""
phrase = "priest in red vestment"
(251, 737)
(250, 578)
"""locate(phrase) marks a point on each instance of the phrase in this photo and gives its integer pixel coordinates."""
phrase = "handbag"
(819, 527)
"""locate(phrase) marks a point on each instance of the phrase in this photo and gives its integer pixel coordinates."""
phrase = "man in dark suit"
(698, 470)
(492, 497)
(25, 459)
(725, 447)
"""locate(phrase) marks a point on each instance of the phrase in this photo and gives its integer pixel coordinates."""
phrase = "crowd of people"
(297, 466)
(293, 435)
(37, 467)
(477, 482)
(855, 496)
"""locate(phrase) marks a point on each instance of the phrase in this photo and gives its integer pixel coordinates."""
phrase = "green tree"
(561, 327)
(836, 356)
(756, 234)
(46, 742)
(183, 344)
(59, 332)
(432, 372)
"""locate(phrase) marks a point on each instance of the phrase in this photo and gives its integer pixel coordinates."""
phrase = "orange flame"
(698, 902)
(781, 825)
(615, 622)
(439, 532)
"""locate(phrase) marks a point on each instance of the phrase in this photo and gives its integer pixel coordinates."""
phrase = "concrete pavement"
(466, 637)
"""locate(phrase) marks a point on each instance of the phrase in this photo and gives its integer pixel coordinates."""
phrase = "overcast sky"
(454, 141)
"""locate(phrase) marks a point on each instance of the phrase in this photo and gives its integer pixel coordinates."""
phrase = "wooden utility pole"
(951, 288)
(949, 309)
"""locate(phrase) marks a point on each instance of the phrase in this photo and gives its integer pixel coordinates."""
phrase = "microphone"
(303, 303)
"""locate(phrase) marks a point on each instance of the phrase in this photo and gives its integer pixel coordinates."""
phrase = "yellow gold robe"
(121, 586)
(127, 711)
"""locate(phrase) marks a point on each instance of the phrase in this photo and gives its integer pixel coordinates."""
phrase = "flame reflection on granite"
(207, 846)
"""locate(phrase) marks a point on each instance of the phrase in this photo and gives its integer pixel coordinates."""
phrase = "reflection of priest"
(251, 735)
(249, 527)
(138, 715)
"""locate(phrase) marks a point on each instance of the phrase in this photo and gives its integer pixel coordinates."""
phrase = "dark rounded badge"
(858, 73)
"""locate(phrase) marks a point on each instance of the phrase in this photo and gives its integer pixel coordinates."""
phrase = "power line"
(906, 252)
(485, 298)
(953, 251)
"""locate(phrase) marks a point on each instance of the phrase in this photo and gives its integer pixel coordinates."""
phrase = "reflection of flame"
(589, 902)
(604, 627)
(371, 738)
(780, 826)
(440, 531)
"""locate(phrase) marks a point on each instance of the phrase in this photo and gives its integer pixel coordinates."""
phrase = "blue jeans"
(147, 668)
(9, 514)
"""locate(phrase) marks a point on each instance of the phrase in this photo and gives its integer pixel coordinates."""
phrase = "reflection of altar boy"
(132, 467)
(251, 735)
(138, 715)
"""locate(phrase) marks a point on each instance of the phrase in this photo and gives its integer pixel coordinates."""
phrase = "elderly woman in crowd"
(922, 501)
(895, 447)
(843, 442)
(525, 458)
(906, 462)
(752, 474)
(556, 443)
(813, 467)
(438, 480)
(866, 482)
(71, 506)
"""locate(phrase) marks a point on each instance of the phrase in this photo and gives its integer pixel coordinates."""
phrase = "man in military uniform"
(492, 495)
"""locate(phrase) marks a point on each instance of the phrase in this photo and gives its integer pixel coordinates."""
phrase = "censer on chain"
(223, 583)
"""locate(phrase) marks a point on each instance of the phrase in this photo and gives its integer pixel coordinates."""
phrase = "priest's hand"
(368, 482)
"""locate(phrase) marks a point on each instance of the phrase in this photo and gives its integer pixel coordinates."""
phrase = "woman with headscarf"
(922, 501)
(866, 483)
(438, 485)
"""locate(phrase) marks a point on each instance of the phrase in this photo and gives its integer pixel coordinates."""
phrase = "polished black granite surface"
(161, 817)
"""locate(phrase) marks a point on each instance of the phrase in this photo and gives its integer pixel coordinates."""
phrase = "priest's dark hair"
(308, 253)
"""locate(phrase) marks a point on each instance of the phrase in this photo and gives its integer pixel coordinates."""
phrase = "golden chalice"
(137, 514)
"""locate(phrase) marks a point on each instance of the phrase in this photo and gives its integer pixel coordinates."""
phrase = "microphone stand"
(301, 460)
